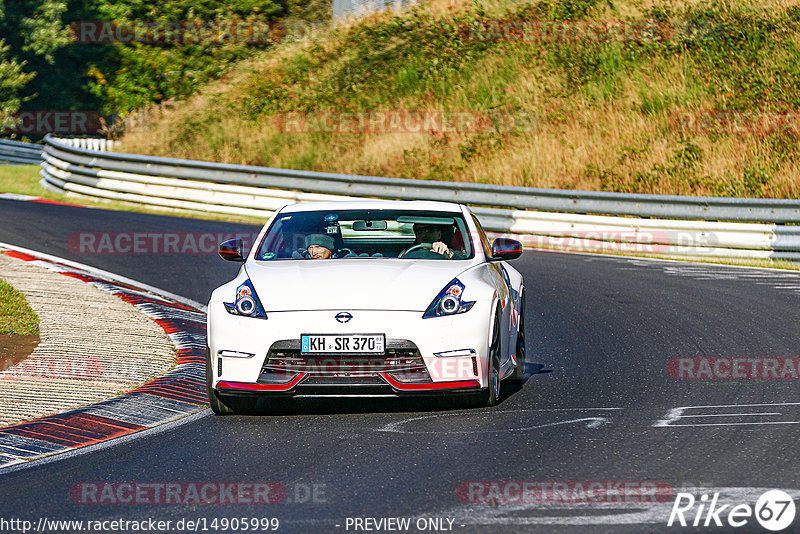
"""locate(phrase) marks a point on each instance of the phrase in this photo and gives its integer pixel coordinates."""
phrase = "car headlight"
(448, 301)
(246, 302)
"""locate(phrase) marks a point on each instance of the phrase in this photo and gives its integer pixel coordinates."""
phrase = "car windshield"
(374, 233)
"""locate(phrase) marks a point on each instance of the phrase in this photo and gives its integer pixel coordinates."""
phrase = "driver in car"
(321, 247)
(431, 234)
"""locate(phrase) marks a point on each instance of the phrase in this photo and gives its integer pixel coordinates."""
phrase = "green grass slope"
(674, 98)
(16, 317)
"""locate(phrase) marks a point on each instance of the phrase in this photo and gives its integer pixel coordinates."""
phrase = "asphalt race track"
(598, 405)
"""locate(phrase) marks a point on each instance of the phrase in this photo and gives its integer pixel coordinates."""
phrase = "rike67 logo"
(774, 510)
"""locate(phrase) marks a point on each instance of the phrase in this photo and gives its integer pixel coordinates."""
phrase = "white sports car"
(372, 298)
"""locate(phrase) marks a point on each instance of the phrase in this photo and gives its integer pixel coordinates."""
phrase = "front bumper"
(409, 366)
(297, 387)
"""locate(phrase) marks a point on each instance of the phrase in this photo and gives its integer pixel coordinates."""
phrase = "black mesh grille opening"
(402, 359)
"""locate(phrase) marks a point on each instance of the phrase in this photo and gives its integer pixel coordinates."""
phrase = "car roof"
(421, 205)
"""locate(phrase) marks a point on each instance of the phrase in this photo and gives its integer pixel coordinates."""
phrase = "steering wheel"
(418, 246)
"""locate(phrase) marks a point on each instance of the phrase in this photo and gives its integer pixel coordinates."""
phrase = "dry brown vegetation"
(600, 116)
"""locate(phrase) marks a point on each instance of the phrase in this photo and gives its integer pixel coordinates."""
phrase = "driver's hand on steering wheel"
(441, 248)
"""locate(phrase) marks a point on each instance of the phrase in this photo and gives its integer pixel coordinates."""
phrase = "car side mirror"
(505, 249)
(232, 250)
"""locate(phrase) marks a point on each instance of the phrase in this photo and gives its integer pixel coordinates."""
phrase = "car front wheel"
(519, 372)
(491, 395)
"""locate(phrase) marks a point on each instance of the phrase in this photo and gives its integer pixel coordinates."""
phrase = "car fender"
(483, 282)
(224, 293)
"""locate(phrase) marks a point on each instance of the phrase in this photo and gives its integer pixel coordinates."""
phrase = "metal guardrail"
(523, 198)
(18, 153)
(91, 143)
(563, 219)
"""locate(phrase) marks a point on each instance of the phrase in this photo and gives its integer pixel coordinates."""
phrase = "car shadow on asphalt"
(512, 388)
(347, 405)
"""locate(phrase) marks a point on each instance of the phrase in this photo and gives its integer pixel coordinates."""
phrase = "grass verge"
(16, 317)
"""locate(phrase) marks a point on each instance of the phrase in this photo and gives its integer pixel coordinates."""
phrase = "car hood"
(354, 284)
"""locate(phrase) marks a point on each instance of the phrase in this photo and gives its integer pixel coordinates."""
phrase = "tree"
(44, 66)
(12, 82)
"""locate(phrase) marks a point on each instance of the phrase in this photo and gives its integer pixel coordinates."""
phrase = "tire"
(223, 404)
(491, 395)
(519, 372)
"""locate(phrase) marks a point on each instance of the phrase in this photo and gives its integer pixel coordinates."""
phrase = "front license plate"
(342, 344)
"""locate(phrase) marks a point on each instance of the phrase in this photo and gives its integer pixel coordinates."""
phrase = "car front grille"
(402, 360)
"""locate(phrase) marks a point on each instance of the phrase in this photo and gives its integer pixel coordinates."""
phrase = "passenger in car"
(323, 247)
(318, 247)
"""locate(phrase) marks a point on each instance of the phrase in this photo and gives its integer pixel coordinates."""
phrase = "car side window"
(487, 247)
